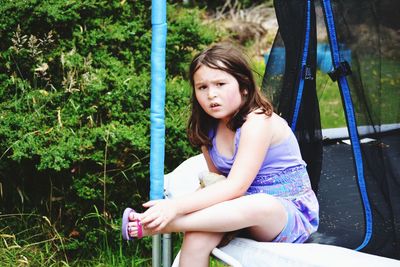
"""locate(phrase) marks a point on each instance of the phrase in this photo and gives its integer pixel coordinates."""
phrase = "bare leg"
(196, 248)
(260, 212)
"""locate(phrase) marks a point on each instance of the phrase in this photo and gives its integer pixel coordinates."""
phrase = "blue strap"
(351, 121)
(303, 68)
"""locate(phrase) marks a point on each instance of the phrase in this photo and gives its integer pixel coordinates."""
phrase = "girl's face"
(217, 92)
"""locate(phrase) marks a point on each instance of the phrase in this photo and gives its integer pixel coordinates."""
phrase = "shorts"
(301, 223)
(293, 189)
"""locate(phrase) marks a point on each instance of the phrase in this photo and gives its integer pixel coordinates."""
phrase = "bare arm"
(255, 139)
(256, 136)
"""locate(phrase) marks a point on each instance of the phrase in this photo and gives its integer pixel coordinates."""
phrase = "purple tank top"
(278, 158)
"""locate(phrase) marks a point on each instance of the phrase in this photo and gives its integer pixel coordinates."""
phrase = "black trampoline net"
(368, 38)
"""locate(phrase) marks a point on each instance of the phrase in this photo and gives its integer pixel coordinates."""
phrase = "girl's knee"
(201, 241)
(197, 247)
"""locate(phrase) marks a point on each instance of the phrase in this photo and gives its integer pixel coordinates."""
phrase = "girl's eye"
(201, 88)
(220, 84)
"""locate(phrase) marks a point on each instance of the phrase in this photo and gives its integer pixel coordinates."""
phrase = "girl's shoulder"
(258, 116)
(274, 126)
(257, 122)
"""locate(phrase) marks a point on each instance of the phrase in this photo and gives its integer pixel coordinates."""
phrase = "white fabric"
(249, 253)
(263, 254)
(184, 179)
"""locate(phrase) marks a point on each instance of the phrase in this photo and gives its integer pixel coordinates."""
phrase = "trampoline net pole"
(156, 251)
(166, 250)
(157, 113)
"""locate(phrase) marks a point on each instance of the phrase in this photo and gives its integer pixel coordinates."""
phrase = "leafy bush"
(212, 5)
(74, 108)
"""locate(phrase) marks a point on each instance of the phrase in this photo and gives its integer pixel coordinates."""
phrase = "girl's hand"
(159, 214)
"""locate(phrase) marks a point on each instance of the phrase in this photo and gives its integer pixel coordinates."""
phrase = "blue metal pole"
(157, 114)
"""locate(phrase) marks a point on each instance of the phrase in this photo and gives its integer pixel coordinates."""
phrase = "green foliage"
(212, 5)
(74, 109)
(190, 34)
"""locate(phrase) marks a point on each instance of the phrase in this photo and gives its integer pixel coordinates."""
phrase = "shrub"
(74, 108)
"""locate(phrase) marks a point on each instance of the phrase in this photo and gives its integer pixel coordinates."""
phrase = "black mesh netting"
(368, 38)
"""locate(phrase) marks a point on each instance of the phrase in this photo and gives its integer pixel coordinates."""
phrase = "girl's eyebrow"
(198, 84)
(217, 80)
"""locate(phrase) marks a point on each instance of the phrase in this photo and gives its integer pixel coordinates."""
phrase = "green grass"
(383, 96)
(330, 103)
(40, 245)
(387, 94)
(32, 240)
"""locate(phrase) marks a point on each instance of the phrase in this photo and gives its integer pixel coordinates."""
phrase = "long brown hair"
(230, 59)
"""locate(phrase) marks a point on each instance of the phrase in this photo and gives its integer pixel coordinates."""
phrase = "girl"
(267, 191)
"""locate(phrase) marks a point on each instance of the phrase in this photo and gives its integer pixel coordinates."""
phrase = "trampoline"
(341, 209)
(354, 170)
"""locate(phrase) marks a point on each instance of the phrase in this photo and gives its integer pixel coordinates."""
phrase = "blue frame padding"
(303, 66)
(351, 122)
(157, 105)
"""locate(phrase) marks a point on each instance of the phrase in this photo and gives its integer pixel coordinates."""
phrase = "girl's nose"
(212, 93)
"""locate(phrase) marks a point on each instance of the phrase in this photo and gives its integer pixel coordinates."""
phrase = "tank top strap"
(237, 138)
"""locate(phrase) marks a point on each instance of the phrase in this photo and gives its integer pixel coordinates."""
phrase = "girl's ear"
(245, 92)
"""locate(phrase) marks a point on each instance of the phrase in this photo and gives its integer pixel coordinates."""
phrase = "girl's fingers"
(161, 226)
(149, 216)
(155, 223)
(157, 213)
(150, 203)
